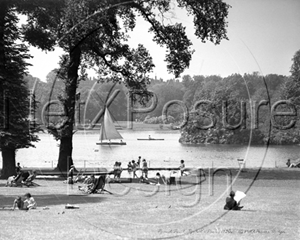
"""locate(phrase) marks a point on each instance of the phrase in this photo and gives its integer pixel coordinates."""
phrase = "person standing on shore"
(145, 169)
(70, 175)
(18, 168)
(119, 171)
(182, 167)
(134, 166)
(138, 163)
(116, 167)
(129, 168)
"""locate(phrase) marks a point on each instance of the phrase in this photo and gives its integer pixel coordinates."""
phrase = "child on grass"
(31, 203)
(18, 203)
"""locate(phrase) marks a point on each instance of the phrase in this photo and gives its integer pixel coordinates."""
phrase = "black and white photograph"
(149, 119)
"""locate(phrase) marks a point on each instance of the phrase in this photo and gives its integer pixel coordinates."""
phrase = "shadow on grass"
(57, 199)
(248, 210)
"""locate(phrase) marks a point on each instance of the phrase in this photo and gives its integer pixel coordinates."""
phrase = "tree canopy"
(16, 131)
(94, 33)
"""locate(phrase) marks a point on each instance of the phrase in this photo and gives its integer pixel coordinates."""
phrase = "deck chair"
(29, 181)
(99, 186)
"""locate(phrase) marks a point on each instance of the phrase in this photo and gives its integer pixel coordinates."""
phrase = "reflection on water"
(167, 153)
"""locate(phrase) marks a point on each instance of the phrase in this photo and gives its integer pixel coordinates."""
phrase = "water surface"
(167, 153)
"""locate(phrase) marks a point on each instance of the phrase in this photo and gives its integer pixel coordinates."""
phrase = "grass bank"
(141, 211)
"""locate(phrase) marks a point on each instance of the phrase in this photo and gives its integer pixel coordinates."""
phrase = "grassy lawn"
(140, 211)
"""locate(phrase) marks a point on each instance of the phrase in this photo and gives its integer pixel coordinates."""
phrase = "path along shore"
(246, 173)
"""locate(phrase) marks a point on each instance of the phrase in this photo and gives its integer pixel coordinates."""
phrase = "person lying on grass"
(231, 204)
(30, 202)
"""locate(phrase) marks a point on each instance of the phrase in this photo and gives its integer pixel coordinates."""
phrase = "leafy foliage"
(15, 99)
(235, 89)
(94, 34)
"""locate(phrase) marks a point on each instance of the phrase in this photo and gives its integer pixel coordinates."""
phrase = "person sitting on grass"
(292, 165)
(231, 204)
(18, 203)
(162, 177)
(90, 179)
(29, 180)
(31, 203)
(89, 185)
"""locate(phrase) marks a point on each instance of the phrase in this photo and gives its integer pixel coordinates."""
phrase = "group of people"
(117, 170)
(90, 183)
(21, 177)
(133, 167)
(28, 203)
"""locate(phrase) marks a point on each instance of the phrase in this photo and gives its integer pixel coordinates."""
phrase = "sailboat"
(109, 132)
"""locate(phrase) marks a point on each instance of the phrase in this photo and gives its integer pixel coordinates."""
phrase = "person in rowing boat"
(149, 137)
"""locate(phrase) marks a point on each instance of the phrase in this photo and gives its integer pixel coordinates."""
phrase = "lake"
(167, 153)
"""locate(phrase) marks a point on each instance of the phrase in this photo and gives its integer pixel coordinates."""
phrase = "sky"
(263, 37)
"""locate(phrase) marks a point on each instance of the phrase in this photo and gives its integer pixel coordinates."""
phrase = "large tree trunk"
(8, 162)
(65, 153)
(65, 159)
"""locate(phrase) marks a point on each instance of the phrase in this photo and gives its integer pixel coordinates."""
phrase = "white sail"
(108, 130)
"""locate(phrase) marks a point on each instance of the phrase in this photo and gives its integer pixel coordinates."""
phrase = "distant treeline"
(233, 90)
